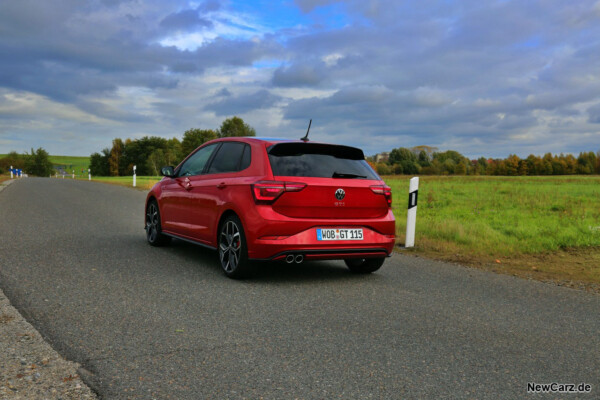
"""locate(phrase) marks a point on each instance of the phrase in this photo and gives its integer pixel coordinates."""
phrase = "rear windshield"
(319, 161)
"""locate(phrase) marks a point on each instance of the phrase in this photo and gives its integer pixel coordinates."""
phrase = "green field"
(71, 163)
(548, 226)
(68, 163)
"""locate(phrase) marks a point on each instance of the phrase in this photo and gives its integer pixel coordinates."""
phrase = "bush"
(38, 163)
(383, 169)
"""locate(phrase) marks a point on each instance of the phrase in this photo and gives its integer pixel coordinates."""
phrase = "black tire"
(364, 265)
(233, 249)
(154, 233)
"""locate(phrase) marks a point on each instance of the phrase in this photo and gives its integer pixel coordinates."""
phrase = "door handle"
(221, 185)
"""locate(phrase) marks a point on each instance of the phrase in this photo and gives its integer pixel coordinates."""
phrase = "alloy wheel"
(230, 246)
(152, 223)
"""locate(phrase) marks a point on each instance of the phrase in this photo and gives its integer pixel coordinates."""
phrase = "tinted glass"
(321, 161)
(227, 158)
(246, 158)
(196, 163)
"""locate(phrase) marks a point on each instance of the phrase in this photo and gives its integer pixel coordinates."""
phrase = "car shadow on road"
(309, 271)
(265, 272)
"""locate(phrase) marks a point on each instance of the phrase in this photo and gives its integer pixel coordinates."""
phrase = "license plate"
(339, 234)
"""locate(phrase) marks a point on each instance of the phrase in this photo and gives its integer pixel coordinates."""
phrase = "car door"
(210, 190)
(178, 198)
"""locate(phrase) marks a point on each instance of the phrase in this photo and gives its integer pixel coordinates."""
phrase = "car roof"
(272, 140)
(259, 139)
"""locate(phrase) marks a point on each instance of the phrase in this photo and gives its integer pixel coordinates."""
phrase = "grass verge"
(142, 182)
(546, 228)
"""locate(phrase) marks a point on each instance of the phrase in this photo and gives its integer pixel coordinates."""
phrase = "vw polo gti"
(257, 199)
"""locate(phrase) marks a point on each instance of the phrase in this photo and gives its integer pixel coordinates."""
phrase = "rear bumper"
(329, 254)
(374, 244)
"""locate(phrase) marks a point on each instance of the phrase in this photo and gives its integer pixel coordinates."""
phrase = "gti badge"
(340, 194)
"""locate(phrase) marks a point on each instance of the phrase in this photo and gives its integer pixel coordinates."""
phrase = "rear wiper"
(344, 175)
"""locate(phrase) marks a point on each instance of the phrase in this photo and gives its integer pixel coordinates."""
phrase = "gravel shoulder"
(31, 369)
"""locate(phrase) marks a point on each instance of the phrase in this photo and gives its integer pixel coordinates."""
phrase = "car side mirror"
(167, 171)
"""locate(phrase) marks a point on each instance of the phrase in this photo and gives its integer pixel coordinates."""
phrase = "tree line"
(150, 153)
(425, 160)
(36, 163)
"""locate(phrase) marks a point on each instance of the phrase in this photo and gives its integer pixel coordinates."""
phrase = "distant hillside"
(68, 163)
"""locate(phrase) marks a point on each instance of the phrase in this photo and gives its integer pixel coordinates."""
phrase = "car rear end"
(319, 201)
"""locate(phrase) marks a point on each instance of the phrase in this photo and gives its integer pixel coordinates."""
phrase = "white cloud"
(394, 74)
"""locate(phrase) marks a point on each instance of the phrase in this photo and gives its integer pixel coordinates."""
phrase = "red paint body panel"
(192, 207)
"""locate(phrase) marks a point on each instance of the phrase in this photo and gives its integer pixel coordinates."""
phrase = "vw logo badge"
(340, 194)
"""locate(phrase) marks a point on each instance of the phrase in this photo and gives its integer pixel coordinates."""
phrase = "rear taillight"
(383, 190)
(266, 192)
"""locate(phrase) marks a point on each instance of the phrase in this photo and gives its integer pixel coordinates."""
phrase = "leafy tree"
(397, 156)
(156, 161)
(559, 166)
(450, 160)
(13, 158)
(570, 163)
(99, 163)
(192, 138)
(448, 166)
(535, 165)
(586, 163)
(512, 165)
(424, 159)
(497, 167)
(406, 159)
(115, 160)
(481, 166)
(461, 168)
(173, 153)
(137, 152)
(383, 169)
(522, 169)
(235, 126)
(38, 163)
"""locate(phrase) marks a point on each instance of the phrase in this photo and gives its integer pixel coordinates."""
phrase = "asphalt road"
(166, 323)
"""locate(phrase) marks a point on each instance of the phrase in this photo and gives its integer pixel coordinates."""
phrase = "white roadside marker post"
(134, 168)
(411, 218)
(89, 175)
(11, 172)
(73, 174)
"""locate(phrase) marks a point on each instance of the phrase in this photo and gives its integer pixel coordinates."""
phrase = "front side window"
(228, 158)
(196, 163)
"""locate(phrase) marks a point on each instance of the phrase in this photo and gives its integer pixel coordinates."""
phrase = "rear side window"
(245, 163)
(229, 158)
(319, 161)
(197, 161)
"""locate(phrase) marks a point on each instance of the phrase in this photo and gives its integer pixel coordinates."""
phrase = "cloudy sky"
(484, 77)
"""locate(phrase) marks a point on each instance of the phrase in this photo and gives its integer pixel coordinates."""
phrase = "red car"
(274, 199)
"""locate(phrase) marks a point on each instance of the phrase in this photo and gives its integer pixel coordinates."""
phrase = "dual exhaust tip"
(298, 258)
